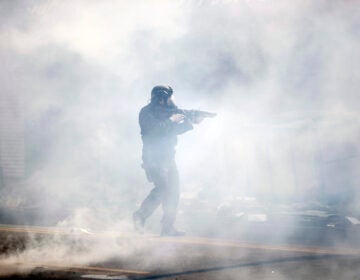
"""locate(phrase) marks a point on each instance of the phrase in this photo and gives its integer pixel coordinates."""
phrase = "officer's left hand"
(177, 118)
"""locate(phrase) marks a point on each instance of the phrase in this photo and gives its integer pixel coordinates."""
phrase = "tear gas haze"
(283, 78)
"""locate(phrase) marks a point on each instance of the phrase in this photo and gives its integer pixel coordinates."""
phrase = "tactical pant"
(165, 192)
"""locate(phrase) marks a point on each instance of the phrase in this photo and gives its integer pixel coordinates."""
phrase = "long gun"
(191, 115)
(195, 114)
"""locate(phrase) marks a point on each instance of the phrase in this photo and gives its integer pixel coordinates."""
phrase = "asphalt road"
(60, 253)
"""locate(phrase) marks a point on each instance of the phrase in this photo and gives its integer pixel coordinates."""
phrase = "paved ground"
(60, 253)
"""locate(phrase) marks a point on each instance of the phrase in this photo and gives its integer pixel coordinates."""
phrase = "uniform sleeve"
(151, 125)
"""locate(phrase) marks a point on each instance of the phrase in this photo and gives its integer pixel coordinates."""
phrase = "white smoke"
(282, 76)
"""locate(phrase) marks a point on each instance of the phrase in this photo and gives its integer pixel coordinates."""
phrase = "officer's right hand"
(177, 118)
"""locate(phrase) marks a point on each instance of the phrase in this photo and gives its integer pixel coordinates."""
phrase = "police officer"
(160, 122)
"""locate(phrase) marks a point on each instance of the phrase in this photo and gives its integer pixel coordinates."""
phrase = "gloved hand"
(177, 118)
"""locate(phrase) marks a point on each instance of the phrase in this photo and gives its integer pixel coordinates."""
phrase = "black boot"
(171, 231)
(139, 223)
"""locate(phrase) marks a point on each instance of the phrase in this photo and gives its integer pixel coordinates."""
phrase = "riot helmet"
(161, 93)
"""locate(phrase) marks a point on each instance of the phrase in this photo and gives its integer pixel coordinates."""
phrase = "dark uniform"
(159, 136)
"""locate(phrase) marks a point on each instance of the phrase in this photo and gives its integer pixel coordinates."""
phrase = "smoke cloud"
(282, 76)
